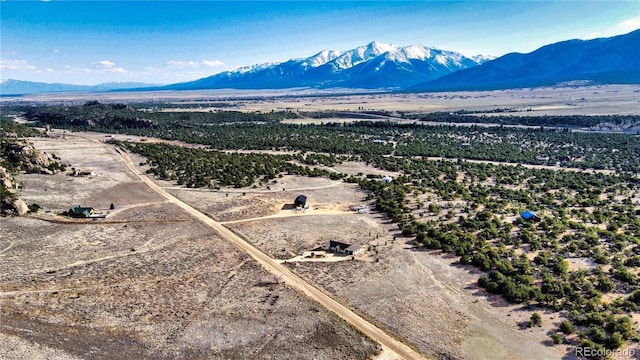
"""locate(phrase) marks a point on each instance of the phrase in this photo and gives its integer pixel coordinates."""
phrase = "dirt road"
(385, 340)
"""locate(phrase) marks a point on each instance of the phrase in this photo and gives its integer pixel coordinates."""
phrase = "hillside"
(600, 61)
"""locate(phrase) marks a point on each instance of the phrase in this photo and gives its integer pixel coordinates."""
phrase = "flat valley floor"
(151, 281)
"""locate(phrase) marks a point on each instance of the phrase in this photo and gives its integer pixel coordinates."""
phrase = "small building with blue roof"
(529, 216)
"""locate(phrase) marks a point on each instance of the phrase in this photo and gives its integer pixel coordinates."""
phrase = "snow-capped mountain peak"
(375, 65)
(322, 58)
(376, 48)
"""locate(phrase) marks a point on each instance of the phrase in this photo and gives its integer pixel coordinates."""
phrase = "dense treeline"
(467, 209)
(345, 114)
(158, 106)
(94, 115)
(530, 146)
(571, 121)
(90, 115)
(193, 167)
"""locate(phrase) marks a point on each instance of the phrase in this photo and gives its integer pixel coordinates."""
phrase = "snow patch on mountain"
(417, 52)
(250, 68)
(321, 58)
(480, 59)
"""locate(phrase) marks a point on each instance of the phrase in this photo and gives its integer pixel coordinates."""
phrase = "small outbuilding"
(530, 216)
(386, 179)
(301, 201)
(83, 172)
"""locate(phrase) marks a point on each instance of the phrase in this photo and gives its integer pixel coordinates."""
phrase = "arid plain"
(152, 281)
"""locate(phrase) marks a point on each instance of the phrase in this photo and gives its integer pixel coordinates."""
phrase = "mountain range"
(19, 87)
(611, 60)
(374, 66)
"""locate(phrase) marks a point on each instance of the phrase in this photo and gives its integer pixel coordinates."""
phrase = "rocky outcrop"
(8, 200)
(27, 158)
(19, 156)
(6, 179)
(19, 207)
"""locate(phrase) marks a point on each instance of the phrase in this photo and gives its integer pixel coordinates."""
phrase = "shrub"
(597, 334)
(567, 327)
(635, 297)
(557, 338)
(535, 320)
(614, 341)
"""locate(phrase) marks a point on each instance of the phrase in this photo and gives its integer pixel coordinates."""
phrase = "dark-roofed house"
(81, 211)
(341, 248)
(530, 216)
(301, 201)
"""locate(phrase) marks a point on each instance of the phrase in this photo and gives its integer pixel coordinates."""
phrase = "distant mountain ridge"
(372, 66)
(613, 60)
(18, 87)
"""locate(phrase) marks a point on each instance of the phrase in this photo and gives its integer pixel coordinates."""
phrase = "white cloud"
(16, 64)
(182, 64)
(106, 70)
(169, 72)
(109, 66)
(629, 25)
(623, 27)
(107, 63)
(212, 63)
(178, 64)
(55, 50)
(105, 67)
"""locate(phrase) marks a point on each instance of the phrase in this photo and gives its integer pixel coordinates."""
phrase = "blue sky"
(90, 42)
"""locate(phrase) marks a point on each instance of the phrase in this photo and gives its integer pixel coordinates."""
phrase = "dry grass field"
(149, 281)
(146, 282)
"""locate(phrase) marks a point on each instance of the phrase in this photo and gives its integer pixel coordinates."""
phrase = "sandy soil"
(146, 282)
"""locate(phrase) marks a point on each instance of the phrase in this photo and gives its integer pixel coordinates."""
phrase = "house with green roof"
(81, 211)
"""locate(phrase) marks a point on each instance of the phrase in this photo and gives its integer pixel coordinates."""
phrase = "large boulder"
(5, 178)
(19, 207)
